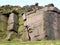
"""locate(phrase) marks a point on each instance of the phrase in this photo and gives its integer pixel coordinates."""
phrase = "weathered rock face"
(3, 26)
(43, 23)
(12, 22)
(51, 23)
(8, 23)
(40, 23)
(12, 25)
(3, 22)
(35, 22)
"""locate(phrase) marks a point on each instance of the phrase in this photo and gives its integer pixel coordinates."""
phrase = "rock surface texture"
(34, 24)
(43, 23)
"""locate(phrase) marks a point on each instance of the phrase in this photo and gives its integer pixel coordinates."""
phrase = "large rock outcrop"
(35, 24)
(6, 13)
(42, 23)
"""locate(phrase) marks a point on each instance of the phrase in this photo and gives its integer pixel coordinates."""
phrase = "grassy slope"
(31, 43)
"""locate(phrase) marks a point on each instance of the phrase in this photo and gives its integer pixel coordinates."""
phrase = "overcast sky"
(30, 2)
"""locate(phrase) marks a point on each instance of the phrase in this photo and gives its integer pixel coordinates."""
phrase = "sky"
(29, 2)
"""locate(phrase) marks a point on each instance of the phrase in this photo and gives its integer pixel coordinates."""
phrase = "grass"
(31, 43)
